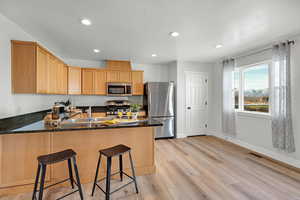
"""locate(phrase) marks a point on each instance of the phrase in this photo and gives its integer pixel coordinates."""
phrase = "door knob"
(189, 108)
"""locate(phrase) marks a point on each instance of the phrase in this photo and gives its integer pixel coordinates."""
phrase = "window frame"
(241, 71)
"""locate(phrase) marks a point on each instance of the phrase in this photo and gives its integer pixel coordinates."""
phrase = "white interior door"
(196, 103)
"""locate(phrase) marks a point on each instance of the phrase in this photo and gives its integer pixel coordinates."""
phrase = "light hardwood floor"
(203, 168)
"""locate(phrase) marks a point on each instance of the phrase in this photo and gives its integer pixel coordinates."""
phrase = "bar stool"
(118, 150)
(53, 158)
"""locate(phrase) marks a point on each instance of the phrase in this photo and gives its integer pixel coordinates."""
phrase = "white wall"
(16, 104)
(85, 63)
(153, 72)
(255, 132)
(12, 104)
(181, 68)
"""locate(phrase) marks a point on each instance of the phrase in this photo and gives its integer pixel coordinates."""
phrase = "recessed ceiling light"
(86, 22)
(96, 50)
(154, 55)
(219, 46)
(174, 34)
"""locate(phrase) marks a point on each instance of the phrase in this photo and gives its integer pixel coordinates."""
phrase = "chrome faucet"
(89, 112)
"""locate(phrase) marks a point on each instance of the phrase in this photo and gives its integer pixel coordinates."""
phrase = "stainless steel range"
(115, 106)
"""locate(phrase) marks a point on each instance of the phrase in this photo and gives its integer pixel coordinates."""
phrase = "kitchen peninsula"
(20, 147)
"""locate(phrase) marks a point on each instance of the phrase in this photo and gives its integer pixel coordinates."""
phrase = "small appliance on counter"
(160, 102)
(60, 111)
(115, 106)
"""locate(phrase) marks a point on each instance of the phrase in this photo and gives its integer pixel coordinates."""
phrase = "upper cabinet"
(42, 71)
(100, 77)
(119, 76)
(113, 76)
(74, 80)
(125, 77)
(118, 65)
(88, 81)
(36, 70)
(137, 82)
(93, 81)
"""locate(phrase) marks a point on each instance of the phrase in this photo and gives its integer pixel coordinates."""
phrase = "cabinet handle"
(189, 108)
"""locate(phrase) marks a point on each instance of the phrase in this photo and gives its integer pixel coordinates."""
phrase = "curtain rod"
(292, 42)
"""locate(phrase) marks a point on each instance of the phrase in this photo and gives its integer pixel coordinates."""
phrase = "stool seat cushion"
(56, 157)
(115, 150)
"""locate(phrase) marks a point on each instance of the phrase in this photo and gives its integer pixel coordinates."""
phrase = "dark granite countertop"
(40, 127)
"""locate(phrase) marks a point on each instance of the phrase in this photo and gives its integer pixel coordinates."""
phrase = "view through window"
(253, 88)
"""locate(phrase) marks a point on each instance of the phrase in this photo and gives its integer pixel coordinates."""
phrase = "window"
(251, 88)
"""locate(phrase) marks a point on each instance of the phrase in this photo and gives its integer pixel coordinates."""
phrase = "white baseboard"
(184, 135)
(279, 156)
(181, 135)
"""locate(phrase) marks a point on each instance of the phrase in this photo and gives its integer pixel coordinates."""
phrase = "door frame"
(186, 73)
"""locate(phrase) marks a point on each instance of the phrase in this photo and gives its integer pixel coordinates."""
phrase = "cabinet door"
(100, 82)
(125, 77)
(65, 80)
(52, 74)
(88, 81)
(42, 71)
(23, 67)
(18, 153)
(59, 77)
(137, 82)
(113, 76)
(74, 80)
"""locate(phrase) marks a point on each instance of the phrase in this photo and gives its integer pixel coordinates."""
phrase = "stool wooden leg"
(96, 175)
(121, 166)
(133, 173)
(43, 175)
(37, 178)
(108, 173)
(77, 178)
(71, 173)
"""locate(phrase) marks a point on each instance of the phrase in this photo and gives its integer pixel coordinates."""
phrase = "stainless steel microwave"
(119, 89)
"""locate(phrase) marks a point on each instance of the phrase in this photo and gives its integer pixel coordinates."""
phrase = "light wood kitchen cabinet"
(52, 74)
(64, 80)
(118, 65)
(42, 71)
(57, 77)
(100, 82)
(119, 76)
(36, 70)
(137, 82)
(18, 155)
(74, 80)
(113, 76)
(88, 81)
(125, 77)
(93, 81)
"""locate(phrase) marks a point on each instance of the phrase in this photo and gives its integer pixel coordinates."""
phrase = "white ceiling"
(135, 29)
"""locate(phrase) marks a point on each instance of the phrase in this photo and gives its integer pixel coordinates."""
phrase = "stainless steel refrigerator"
(160, 102)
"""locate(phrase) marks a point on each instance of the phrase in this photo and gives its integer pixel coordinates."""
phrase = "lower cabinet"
(19, 152)
(18, 157)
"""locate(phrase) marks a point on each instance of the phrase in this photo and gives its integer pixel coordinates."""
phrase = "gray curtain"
(282, 129)
(228, 112)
